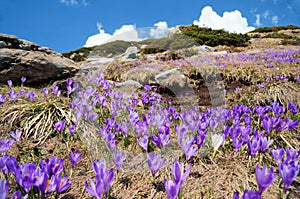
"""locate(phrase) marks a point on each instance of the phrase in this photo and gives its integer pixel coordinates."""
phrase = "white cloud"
(230, 21)
(253, 10)
(73, 2)
(275, 20)
(84, 3)
(69, 2)
(266, 14)
(160, 31)
(126, 33)
(257, 21)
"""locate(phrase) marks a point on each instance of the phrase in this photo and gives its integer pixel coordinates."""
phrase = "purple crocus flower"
(147, 87)
(171, 188)
(105, 176)
(47, 185)
(277, 154)
(248, 194)
(9, 83)
(72, 129)
(39, 177)
(277, 109)
(118, 159)
(12, 94)
(267, 124)
(292, 156)
(251, 194)
(25, 175)
(264, 177)
(288, 124)
(59, 126)
(293, 108)
(52, 166)
(143, 142)
(123, 127)
(56, 90)
(46, 91)
(189, 148)
(22, 92)
(236, 195)
(161, 140)
(16, 195)
(288, 173)
(5, 145)
(260, 110)
(110, 141)
(16, 135)
(264, 143)
(248, 120)
(23, 79)
(30, 95)
(75, 157)
(200, 139)
(61, 183)
(181, 132)
(2, 98)
(69, 81)
(155, 162)
(4, 185)
(9, 163)
(227, 130)
(253, 145)
(237, 142)
(95, 190)
(178, 172)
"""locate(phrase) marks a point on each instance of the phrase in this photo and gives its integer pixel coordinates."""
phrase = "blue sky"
(65, 25)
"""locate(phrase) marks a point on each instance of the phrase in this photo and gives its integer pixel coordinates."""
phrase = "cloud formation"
(266, 14)
(160, 31)
(73, 2)
(126, 33)
(230, 21)
(275, 20)
(257, 21)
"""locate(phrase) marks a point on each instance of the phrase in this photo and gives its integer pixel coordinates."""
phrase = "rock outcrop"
(38, 64)
(131, 53)
(174, 80)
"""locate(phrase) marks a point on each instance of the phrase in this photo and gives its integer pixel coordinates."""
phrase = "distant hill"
(275, 29)
(191, 35)
(284, 35)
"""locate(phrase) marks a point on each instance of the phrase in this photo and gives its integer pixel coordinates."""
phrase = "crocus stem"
(284, 196)
(179, 195)
(117, 176)
(214, 154)
(152, 179)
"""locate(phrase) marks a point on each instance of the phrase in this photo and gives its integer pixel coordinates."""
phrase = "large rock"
(173, 32)
(129, 84)
(131, 53)
(38, 64)
(174, 80)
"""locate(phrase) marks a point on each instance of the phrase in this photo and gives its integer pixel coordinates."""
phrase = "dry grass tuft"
(35, 119)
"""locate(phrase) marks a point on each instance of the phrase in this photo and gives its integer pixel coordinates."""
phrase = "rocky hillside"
(183, 38)
(39, 64)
